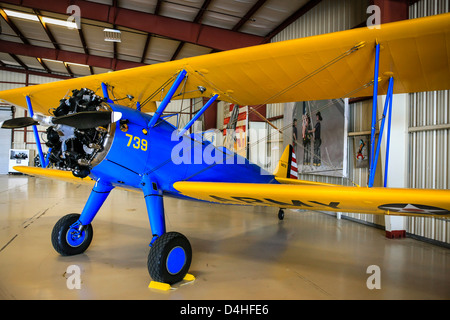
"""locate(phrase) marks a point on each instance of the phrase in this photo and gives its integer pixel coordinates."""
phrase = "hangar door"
(5, 139)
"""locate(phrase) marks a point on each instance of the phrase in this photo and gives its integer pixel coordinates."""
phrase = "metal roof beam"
(197, 19)
(296, 15)
(20, 62)
(158, 7)
(177, 51)
(68, 70)
(249, 14)
(33, 72)
(15, 48)
(201, 11)
(147, 43)
(46, 29)
(13, 27)
(202, 35)
(42, 63)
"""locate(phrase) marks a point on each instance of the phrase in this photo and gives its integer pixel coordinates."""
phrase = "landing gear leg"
(171, 253)
(281, 214)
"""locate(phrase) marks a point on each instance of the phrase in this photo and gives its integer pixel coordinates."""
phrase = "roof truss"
(217, 39)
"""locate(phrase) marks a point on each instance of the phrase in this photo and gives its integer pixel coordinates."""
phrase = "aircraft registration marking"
(268, 201)
(138, 143)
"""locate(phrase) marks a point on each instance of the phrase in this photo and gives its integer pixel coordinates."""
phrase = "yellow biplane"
(99, 142)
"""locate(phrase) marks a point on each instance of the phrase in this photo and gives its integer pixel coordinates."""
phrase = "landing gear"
(171, 253)
(170, 258)
(69, 237)
(281, 214)
(73, 233)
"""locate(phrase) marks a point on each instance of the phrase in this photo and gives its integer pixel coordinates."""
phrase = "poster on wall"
(361, 145)
(235, 122)
(318, 130)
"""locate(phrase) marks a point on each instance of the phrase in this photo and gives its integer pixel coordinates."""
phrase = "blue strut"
(374, 108)
(36, 134)
(105, 92)
(388, 103)
(155, 207)
(95, 201)
(167, 98)
(388, 142)
(198, 114)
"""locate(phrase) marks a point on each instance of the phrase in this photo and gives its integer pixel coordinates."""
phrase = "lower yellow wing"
(66, 176)
(411, 202)
(322, 197)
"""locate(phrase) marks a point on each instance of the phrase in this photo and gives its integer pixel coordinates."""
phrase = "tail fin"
(287, 166)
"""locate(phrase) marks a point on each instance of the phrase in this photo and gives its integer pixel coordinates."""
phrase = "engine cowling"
(79, 150)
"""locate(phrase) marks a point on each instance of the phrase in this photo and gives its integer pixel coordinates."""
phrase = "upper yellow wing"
(416, 52)
(412, 202)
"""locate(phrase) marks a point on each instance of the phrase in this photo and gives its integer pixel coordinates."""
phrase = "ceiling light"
(33, 17)
(21, 15)
(58, 22)
(112, 35)
(51, 60)
(69, 63)
(77, 64)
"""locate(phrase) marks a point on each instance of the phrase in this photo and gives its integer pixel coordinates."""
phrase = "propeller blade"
(19, 123)
(88, 119)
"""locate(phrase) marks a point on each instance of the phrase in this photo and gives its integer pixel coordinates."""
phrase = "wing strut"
(388, 142)
(388, 104)
(374, 111)
(198, 114)
(105, 92)
(44, 162)
(167, 98)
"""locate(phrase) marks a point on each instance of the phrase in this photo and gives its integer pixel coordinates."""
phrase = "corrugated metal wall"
(328, 16)
(11, 80)
(429, 140)
(429, 148)
(332, 16)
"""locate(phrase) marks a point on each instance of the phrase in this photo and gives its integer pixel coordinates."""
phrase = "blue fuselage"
(137, 150)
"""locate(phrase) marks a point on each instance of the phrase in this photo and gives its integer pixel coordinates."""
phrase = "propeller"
(88, 119)
(81, 120)
(18, 123)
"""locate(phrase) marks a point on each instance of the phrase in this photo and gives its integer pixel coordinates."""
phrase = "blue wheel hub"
(176, 259)
(74, 237)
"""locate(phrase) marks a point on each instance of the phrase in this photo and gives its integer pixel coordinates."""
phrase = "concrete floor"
(239, 252)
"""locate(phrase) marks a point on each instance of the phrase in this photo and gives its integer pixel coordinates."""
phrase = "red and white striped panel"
(294, 168)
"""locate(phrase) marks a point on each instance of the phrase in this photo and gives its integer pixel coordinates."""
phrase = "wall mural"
(318, 131)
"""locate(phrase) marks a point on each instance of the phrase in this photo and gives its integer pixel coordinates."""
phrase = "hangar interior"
(38, 47)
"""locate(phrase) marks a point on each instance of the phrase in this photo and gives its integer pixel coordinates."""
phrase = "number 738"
(137, 142)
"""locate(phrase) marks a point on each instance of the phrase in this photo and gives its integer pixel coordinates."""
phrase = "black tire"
(159, 265)
(61, 233)
(281, 215)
